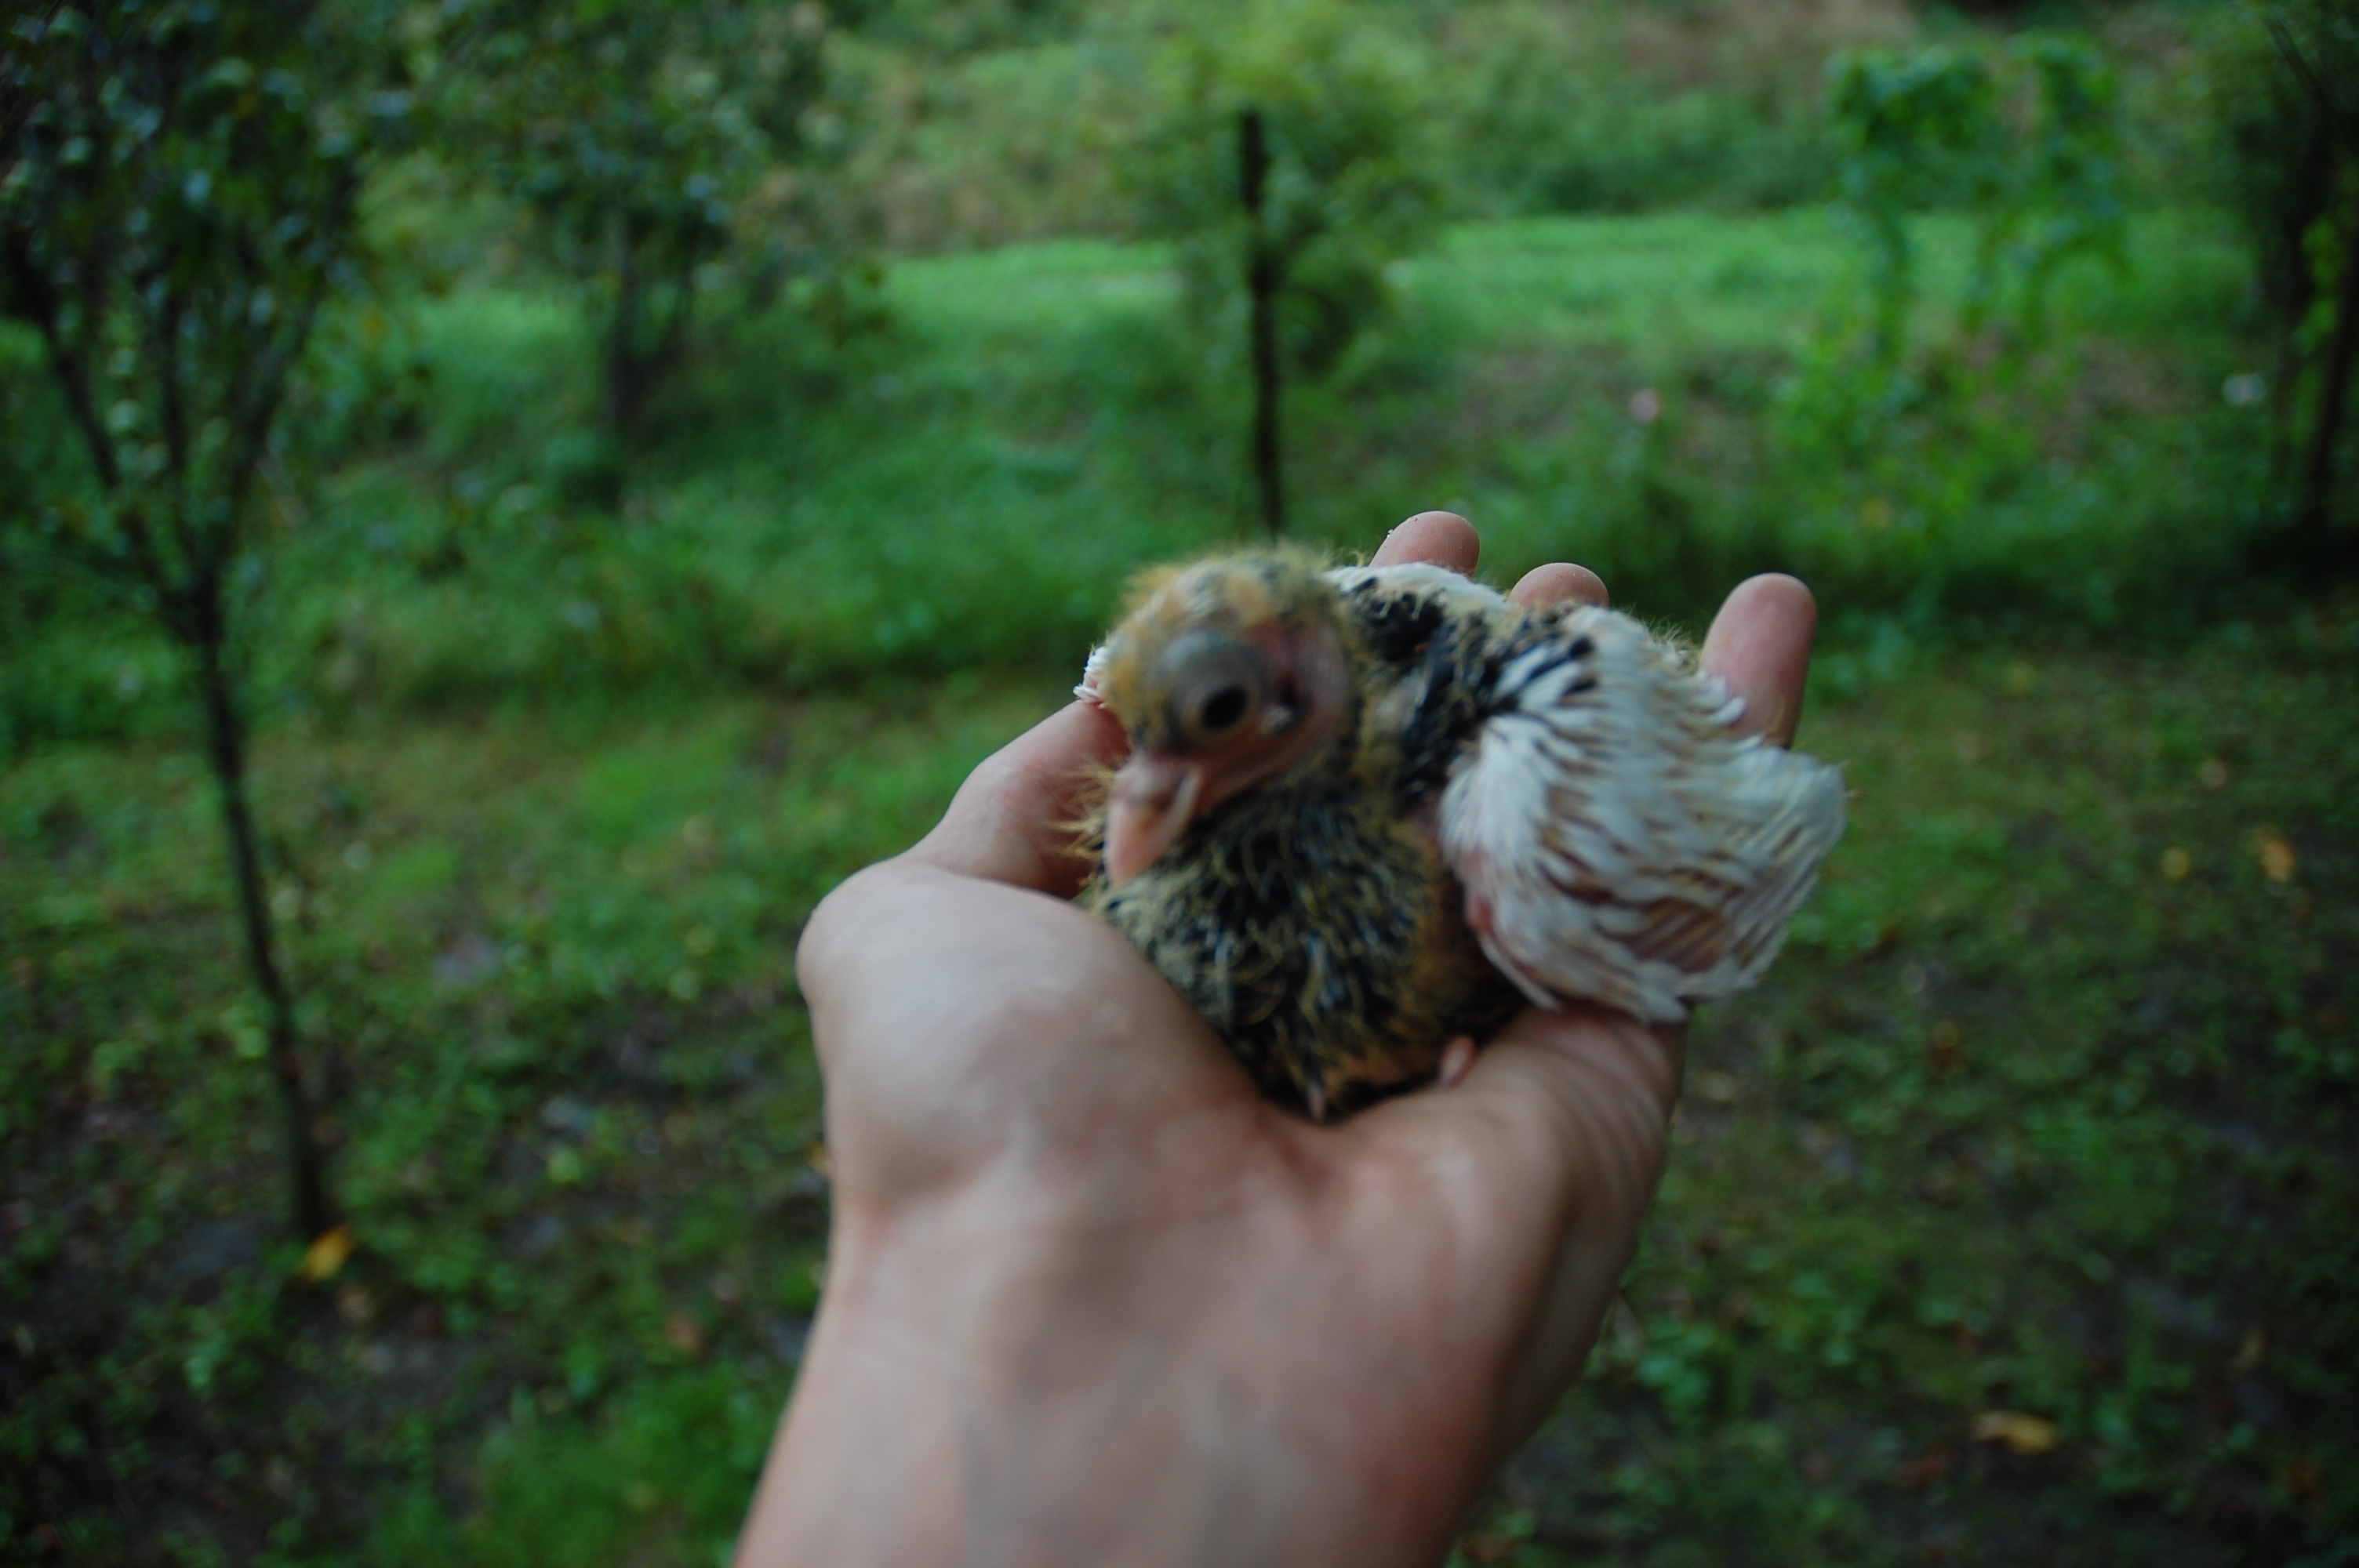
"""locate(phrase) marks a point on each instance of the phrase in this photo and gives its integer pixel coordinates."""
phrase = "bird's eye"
(1208, 710)
(1223, 709)
(1216, 684)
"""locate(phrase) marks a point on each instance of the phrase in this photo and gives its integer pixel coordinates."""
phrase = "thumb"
(1011, 821)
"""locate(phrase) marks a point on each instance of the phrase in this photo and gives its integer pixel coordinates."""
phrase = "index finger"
(1759, 645)
(1436, 539)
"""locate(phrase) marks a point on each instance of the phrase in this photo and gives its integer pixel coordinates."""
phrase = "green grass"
(545, 965)
(2022, 1121)
(972, 487)
(2035, 1116)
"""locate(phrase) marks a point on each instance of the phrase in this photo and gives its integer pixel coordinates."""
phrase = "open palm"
(1092, 1299)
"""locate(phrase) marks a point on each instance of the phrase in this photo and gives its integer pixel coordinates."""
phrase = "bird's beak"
(1155, 797)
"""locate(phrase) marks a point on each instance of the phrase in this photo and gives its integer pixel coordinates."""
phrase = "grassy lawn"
(971, 485)
(2047, 1109)
(2010, 1219)
(550, 961)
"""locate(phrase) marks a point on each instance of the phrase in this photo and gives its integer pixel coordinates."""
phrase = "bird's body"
(1314, 927)
(1372, 809)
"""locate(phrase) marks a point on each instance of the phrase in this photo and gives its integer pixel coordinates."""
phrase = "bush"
(1577, 108)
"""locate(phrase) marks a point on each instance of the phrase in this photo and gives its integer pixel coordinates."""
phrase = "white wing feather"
(1618, 843)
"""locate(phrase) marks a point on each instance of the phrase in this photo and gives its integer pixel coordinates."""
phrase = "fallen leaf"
(1719, 1088)
(2252, 1353)
(2213, 775)
(2022, 1434)
(2276, 856)
(2176, 864)
(327, 1254)
(683, 1333)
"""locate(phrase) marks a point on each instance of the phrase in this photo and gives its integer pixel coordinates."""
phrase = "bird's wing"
(1617, 841)
(1458, 595)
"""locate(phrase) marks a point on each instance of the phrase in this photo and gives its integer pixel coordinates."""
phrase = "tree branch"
(2343, 125)
(164, 347)
(71, 374)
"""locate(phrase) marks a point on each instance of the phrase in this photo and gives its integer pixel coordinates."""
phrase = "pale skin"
(1091, 1300)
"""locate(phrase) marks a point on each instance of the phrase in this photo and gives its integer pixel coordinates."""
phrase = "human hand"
(1092, 1299)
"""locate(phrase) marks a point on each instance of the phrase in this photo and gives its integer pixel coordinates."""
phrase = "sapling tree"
(1933, 129)
(641, 138)
(178, 188)
(1288, 158)
(2019, 146)
(1921, 130)
(2066, 200)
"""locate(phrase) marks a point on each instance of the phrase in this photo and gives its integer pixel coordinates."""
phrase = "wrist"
(979, 1391)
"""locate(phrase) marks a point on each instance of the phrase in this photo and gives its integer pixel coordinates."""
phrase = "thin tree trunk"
(2318, 469)
(2297, 287)
(1262, 283)
(307, 1190)
(2285, 373)
(623, 368)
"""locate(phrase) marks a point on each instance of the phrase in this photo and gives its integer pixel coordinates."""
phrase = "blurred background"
(503, 502)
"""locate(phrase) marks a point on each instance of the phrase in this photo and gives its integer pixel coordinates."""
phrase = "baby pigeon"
(1370, 809)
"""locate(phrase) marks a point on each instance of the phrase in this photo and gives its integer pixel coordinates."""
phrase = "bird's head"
(1227, 673)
